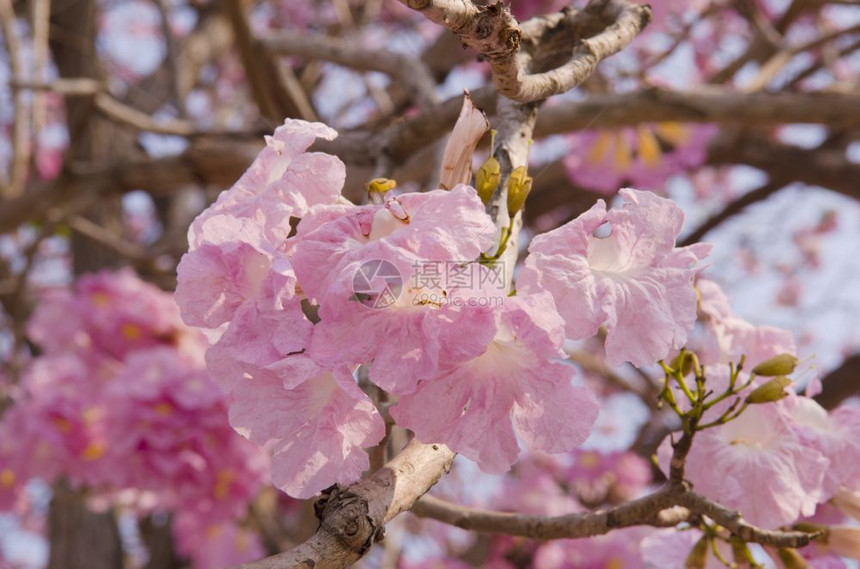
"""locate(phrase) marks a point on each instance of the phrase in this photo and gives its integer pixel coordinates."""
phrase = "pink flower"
(644, 156)
(213, 544)
(517, 382)
(283, 181)
(226, 269)
(262, 344)
(533, 488)
(433, 226)
(620, 270)
(111, 313)
(169, 434)
(315, 431)
(389, 270)
(727, 337)
(836, 435)
(756, 464)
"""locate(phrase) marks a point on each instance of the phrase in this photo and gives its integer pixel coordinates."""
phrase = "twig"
(171, 57)
(407, 70)
(41, 21)
(21, 127)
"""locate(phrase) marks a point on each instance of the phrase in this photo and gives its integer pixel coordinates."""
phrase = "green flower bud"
(783, 364)
(698, 557)
(519, 186)
(773, 390)
(683, 362)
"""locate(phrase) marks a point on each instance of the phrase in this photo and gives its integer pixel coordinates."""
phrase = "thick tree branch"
(495, 35)
(622, 22)
(274, 101)
(353, 518)
(490, 30)
(720, 106)
(706, 106)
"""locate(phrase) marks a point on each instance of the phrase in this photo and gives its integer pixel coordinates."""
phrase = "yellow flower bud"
(519, 186)
(783, 364)
(791, 559)
(773, 390)
(698, 557)
(487, 179)
(380, 185)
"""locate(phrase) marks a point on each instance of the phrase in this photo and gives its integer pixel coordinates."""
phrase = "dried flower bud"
(773, 390)
(783, 364)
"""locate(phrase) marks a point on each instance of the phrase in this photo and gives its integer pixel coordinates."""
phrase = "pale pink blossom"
(262, 344)
(377, 278)
(315, 431)
(836, 435)
(226, 269)
(756, 464)
(283, 181)
(726, 337)
(620, 269)
(516, 384)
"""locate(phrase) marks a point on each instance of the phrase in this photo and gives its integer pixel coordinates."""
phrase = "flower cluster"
(297, 287)
(644, 156)
(120, 402)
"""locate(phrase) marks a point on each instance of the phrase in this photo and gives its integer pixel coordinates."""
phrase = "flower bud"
(519, 186)
(698, 557)
(791, 559)
(773, 390)
(487, 179)
(380, 185)
(683, 362)
(783, 364)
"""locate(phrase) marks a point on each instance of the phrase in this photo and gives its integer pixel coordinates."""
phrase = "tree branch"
(618, 22)
(656, 509)
(21, 128)
(407, 70)
(353, 518)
